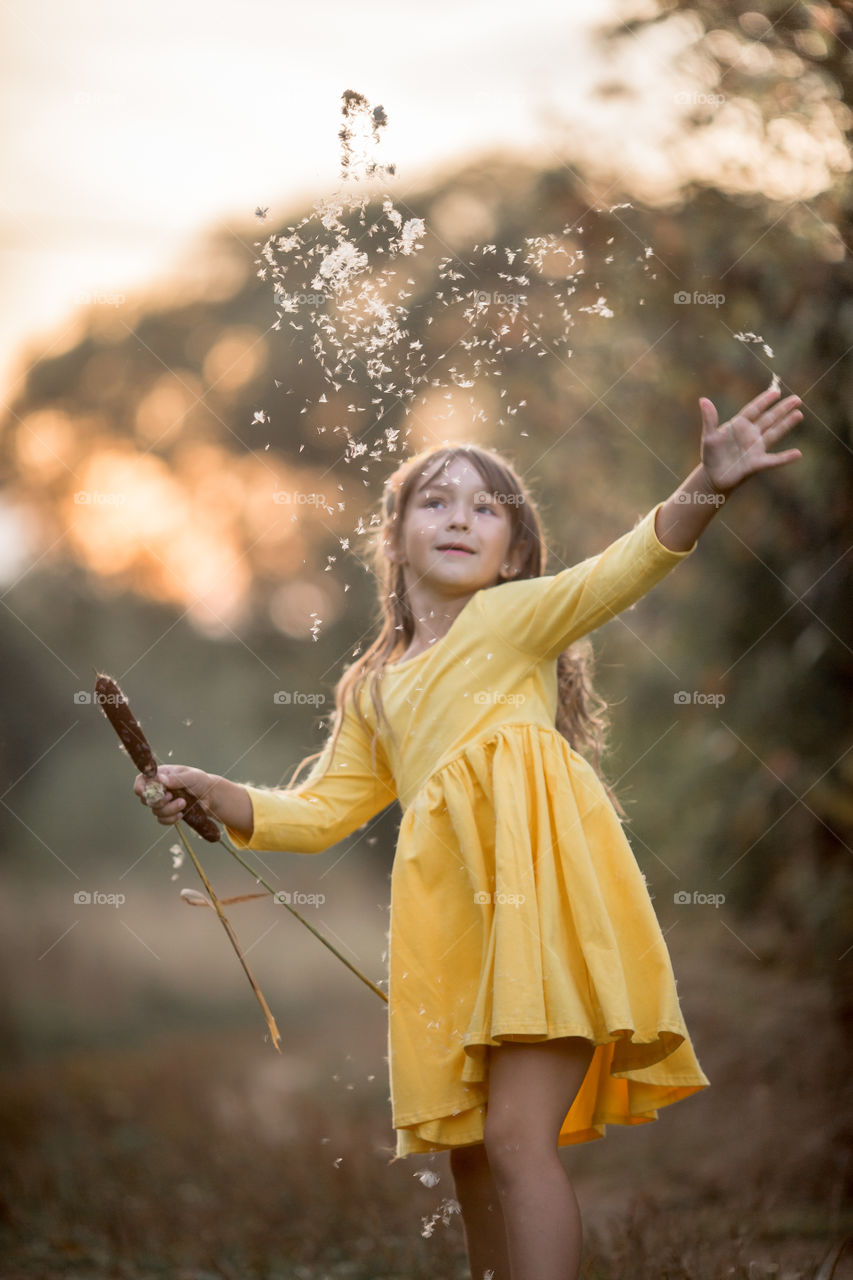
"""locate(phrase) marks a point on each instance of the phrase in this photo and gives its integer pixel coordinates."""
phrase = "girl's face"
(454, 508)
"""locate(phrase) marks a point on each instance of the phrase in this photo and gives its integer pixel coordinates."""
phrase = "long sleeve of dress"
(541, 616)
(336, 797)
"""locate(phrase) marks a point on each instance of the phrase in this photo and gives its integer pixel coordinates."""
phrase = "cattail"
(116, 708)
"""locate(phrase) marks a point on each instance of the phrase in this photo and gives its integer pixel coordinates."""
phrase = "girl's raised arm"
(541, 616)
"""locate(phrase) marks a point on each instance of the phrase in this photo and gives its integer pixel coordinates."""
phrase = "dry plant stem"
(116, 708)
(273, 1029)
(226, 844)
(199, 900)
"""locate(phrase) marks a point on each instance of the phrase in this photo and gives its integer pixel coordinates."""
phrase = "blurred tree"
(589, 384)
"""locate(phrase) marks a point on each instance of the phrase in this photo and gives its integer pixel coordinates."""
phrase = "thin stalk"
(273, 1029)
(226, 844)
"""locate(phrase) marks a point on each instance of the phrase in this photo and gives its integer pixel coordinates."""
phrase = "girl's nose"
(458, 517)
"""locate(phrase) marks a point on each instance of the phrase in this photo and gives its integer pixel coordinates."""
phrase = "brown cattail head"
(116, 708)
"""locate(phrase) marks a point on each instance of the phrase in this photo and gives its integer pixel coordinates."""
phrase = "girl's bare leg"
(485, 1234)
(531, 1087)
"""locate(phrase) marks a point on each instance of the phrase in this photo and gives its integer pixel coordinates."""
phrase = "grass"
(199, 1153)
(194, 1158)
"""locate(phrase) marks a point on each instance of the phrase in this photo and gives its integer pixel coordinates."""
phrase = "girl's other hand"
(740, 447)
(172, 777)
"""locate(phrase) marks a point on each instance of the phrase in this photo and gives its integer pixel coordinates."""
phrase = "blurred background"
(186, 503)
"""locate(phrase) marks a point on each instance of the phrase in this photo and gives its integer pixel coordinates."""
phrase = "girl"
(531, 995)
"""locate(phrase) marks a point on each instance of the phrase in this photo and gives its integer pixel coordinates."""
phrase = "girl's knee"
(511, 1144)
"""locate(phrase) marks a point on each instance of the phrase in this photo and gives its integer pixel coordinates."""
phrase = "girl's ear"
(388, 550)
(513, 564)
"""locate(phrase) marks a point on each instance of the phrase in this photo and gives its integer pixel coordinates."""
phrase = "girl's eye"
(481, 506)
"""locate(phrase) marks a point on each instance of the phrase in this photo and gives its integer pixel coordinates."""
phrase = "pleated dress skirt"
(519, 913)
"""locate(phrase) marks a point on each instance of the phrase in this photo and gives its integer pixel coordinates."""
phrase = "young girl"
(531, 995)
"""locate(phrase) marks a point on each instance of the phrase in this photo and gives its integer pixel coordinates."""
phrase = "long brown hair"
(582, 714)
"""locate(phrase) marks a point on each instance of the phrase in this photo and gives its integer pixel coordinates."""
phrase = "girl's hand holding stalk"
(230, 804)
(225, 801)
(178, 791)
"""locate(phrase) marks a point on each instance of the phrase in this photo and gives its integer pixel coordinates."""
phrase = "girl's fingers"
(781, 418)
(760, 403)
(710, 419)
(783, 407)
(170, 813)
(760, 412)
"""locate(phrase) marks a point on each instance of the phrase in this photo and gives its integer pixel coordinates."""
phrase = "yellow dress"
(518, 910)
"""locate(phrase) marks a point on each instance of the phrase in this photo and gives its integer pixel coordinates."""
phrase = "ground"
(202, 1154)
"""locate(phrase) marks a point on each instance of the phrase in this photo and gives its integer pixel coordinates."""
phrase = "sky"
(129, 130)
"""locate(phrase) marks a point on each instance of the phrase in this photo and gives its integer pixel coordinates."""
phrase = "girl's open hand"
(166, 808)
(740, 447)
